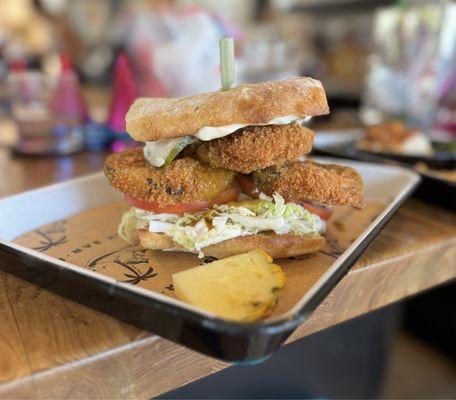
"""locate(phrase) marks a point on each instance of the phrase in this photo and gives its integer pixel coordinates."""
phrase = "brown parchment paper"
(90, 240)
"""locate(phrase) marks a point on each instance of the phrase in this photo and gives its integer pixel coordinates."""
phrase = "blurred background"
(69, 70)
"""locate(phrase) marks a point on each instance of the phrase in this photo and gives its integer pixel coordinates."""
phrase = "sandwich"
(223, 173)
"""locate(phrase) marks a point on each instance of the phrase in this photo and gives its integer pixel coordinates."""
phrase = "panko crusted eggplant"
(256, 147)
(310, 181)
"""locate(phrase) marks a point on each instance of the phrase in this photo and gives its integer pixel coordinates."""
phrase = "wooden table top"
(51, 347)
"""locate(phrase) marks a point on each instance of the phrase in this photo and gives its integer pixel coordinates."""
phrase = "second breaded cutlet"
(310, 181)
(256, 147)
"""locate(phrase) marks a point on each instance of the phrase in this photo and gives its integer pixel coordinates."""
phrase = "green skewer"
(227, 62)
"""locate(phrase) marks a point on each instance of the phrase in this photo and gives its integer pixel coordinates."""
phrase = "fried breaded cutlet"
(310, 181)
(183, 181)
(256, 147)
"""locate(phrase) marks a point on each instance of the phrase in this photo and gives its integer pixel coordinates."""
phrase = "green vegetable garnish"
(127, 227)
(184, 142)
(227, 62)
(445, 146)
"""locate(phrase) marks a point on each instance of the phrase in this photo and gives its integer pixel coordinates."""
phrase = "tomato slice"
(248, 187)
(198, 205)
(323, 212)
(167, 208)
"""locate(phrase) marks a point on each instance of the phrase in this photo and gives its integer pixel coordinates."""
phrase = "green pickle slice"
(179, 146)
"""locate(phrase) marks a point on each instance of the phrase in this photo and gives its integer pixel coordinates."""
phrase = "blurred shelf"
(338, 6)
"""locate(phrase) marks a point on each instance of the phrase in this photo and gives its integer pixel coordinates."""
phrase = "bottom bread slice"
(277, 246)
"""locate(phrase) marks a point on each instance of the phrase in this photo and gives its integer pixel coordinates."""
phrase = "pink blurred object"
(148, 83)
(123, 97)
(124, 94)
(119, 145)
(227, 28)
(68, 101)
(18, 65)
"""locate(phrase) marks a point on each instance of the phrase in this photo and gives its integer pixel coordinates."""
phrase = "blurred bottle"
(67, 102)
(68, 109)
(97, 135)
(49, 115)
(446, 90)
(412, 70)
(124, 95)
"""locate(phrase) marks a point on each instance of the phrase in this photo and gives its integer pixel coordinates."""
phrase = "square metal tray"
(155, 312)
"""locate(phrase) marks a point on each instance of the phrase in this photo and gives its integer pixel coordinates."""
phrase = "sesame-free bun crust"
(151, 119)
(277, 246)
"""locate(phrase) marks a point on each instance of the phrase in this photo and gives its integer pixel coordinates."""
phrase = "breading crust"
(256, 147)
(151, 119)
(183, 181)
(310, 181)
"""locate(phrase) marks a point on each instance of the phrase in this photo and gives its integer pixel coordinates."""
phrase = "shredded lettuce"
(227, 221)
(128, 226)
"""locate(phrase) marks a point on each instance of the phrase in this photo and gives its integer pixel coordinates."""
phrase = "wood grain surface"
(53, 348)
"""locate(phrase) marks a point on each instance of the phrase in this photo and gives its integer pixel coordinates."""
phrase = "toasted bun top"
(151, 119)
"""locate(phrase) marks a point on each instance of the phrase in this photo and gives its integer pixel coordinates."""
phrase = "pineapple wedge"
(242, 287)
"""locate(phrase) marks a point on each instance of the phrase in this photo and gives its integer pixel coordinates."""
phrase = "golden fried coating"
(311, 181)
(183, 181)
(256, 147)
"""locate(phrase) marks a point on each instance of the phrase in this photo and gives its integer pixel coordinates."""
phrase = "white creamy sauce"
(417, 144)
(157, 152)
(214, 132)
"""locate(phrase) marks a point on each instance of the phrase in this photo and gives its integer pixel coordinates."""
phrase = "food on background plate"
(201, 151)
(242, 287)
(395, 137)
